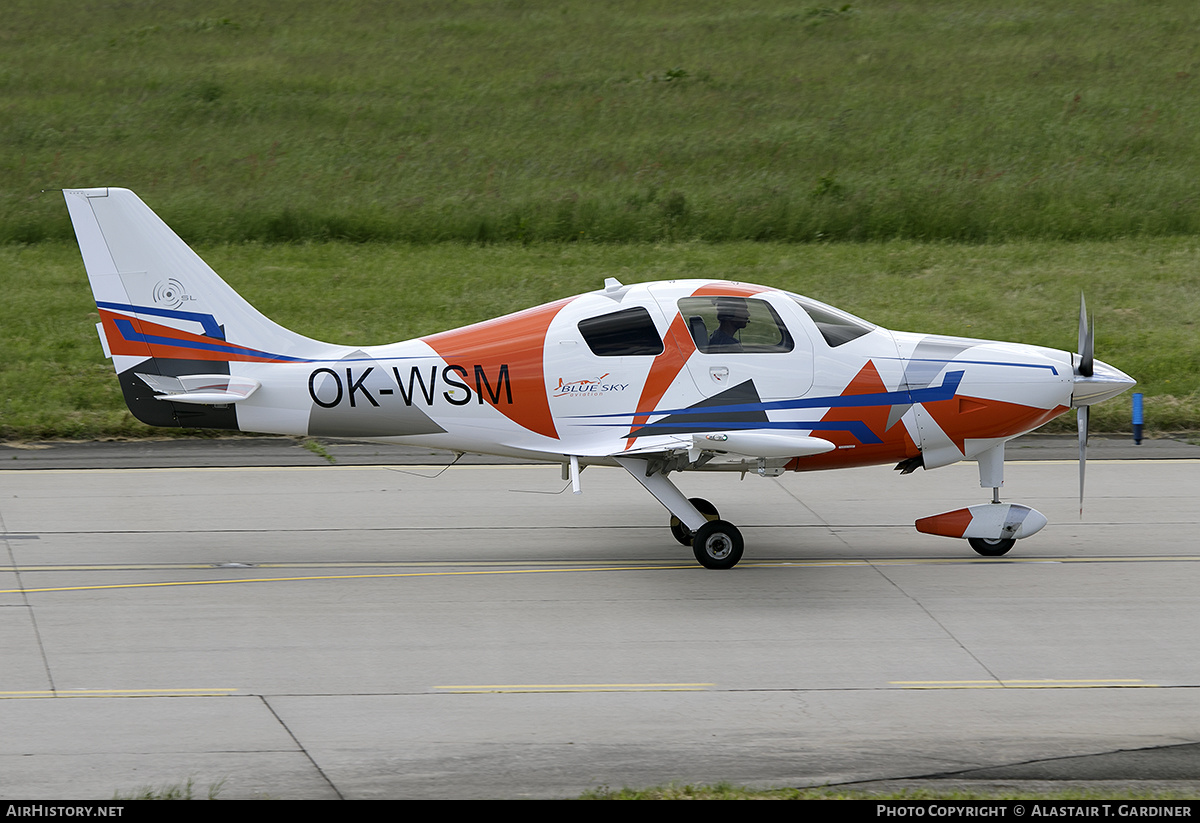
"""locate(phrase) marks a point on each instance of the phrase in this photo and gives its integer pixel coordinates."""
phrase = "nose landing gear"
(993, 528)
(991, 548)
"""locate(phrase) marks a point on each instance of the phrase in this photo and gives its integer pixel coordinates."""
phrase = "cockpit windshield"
(835, 325)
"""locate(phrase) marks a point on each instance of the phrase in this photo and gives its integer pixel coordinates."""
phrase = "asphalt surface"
(249, 614)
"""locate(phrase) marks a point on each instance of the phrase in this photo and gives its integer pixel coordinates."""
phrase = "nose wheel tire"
(991, 548)
(681, 532)
(717, 545)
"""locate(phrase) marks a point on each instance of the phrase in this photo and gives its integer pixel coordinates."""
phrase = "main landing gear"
(695, 522)
(717, 545)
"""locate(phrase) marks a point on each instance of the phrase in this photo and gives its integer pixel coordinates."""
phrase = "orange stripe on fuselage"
(975, 417)
(896, 445)
(517, 341)
(677, 348)
(729, 289)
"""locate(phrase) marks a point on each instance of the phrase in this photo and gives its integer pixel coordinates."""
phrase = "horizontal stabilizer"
(201, 388)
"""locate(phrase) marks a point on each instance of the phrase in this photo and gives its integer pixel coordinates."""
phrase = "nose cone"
(1104, 382)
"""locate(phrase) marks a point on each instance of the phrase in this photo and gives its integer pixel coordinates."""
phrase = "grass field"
(628, 120)
(368, 171)
(726, 791)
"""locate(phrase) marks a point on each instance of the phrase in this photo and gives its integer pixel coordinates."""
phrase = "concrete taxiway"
(365, 629)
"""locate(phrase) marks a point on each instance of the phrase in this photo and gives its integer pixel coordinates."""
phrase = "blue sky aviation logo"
(587, 387)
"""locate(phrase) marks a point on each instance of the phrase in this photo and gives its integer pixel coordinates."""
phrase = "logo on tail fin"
(170, 293)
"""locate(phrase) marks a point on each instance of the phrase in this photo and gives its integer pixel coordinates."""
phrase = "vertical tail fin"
(163, 311)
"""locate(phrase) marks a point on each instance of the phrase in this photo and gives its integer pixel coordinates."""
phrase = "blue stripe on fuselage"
(945, 391)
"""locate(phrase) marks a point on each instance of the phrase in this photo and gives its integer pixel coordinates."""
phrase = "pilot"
(732, 316)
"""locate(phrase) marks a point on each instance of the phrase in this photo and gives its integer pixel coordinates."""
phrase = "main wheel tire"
(991, 548)
(717, 545)
(681, 532)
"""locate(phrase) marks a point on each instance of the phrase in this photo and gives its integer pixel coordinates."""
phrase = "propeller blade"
(1082, 425)
(1086, 342)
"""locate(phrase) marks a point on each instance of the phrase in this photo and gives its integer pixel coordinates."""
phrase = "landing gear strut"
(695, 522)
(991, 473)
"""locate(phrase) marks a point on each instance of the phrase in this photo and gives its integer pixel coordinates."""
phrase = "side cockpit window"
(724, 324)
(622, 334)
(835, 325)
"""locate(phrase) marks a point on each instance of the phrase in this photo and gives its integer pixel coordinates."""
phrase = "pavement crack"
(882, 573)
(16, 572)
(822, 522)
(283, 724)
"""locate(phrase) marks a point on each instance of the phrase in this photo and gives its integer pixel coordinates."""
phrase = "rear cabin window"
(723, 324)
(623, 333)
